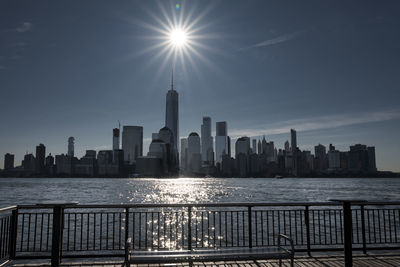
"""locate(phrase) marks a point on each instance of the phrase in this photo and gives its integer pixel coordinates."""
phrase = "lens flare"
(178, 37)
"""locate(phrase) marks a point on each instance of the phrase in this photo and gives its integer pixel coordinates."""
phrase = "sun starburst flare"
(179, 37)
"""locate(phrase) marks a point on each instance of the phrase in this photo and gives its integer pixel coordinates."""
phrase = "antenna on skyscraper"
(119, 125)
(172, 79)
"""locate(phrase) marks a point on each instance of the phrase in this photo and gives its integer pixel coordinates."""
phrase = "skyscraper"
(221, 141)
(264, 145)
(40, 157)
(206, 141)
(294, 140)
(287, 146)
(254, 148)
(193, 153)
(184, 148)
(172, 113)
(115, 138)
(221, 128)
(132, 142)
(8, 161)
(321, 161)
(242, 146)
(71, 146)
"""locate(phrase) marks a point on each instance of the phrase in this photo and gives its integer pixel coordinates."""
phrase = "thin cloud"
(276, 40)
(319, 123)
(25, 27)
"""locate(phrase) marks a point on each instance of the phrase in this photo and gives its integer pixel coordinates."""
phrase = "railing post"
(189, 228)
(347, 234)
(56, 235)
(364, 242)
(13, 234)
(250, 227)
(126, 224)
(307, 222)
(126, 233)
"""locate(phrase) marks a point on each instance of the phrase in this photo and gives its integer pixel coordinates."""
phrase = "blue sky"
(329, 69)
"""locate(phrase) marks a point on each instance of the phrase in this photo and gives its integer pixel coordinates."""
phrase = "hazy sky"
(329, 69)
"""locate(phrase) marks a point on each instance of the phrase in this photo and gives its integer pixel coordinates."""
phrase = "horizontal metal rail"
(181, 205)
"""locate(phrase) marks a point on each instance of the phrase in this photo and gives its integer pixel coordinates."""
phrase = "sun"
(178, 37)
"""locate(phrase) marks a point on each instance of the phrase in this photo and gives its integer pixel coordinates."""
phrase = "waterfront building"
(207, 151)
(29, 164)
(270, 151)
(132, 143)
(162, 158)
(254, 165)
(229, 145)
(91, 153)
(8, 161)
(254, 147)
(371, 159)
(289, 162)
(118, 158)
(222, 141)
(287, 146)
(86, 166)
(49, 165)
(293, 136)
(115, 139)
(344, 161)
(155, 164)
(194, 155)
(333, 159)
(242, 164)
(321, 163)
(361, 158)
(64, 165)
(309, 160)
(242, 146)
(172, 114)
(150, 166)
(40, 157)
(303, 159)
(105, 164)
(221, 128)
(71, 147)
(264, 146)
(227, 166)
(167, 136)
(184, 147)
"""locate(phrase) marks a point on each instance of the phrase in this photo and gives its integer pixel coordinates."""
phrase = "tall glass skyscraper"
(221, 141)
(172, 113)
(207, 150)
(132, 143)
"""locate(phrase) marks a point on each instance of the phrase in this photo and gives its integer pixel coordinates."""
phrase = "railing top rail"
(203, 205)
(8, 208)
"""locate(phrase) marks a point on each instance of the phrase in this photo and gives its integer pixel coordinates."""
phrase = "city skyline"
(263, 83)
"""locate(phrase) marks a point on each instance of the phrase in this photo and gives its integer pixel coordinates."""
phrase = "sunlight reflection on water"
(193, 190)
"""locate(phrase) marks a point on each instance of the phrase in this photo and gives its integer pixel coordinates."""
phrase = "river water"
(194, 190)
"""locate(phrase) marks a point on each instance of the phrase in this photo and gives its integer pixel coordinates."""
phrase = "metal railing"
(67, 230)
(8, 228)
